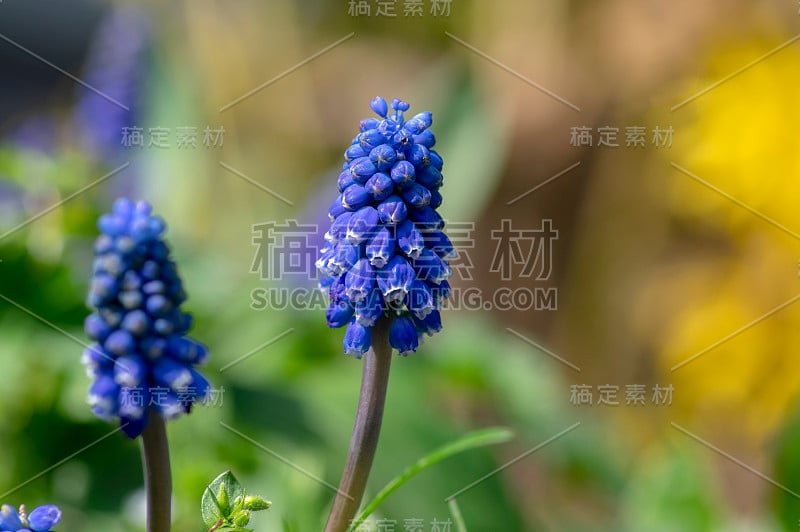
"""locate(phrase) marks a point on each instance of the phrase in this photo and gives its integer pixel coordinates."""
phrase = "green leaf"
(478, 438)
(458, 519)
(473, 135)
(209, 508)
(212, 508)
(787, 472)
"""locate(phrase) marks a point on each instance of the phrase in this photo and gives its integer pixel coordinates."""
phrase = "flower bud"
(366, 125)
(403, 335)
(380, 186)
(371, 139)
(419, 156)
(392, 210)
(378, 105)
(362, 169)
(339, 314)
(355, 197)
(417, 196)
(395, 278)
(354, 152)
(426, 138)
(362, 225)
(222, 499)
(380, 247)
(368, 310)
(345, 180)
(383, 157)
(403, 174)
(255, 503)
(242, 518)
(359, 281)
(357, 340)
(430, 177)
(410, 239)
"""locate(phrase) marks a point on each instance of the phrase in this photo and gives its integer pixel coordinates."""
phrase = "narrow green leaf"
(458, 519)
(289, 526)
(478, 438)
(471, 126)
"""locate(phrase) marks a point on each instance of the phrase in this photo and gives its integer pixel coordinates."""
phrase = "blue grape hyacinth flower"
(41, 519)
(117, 66)
(386, 257)
(142, 359)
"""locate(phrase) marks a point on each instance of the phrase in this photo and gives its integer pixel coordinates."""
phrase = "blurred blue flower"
(38, 133)
(116, 66)
(9, 518)
(12, 202)
(386, 256)
(41, 519)
(142, 358)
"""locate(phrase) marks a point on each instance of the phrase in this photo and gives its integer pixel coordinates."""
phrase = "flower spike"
(388, 257)
(141, 361)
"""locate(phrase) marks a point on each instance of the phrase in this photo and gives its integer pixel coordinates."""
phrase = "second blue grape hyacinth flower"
(386, 254)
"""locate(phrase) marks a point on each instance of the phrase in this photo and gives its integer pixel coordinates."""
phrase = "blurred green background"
(655, 262)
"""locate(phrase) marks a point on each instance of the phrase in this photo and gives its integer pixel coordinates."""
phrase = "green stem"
(366, 429)
(157, 476)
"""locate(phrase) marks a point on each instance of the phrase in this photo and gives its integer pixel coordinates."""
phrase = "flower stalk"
(157, 475)
(385, 267)
(366, 429)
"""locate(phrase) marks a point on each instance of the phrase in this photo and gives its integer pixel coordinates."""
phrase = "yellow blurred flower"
(743, 138)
